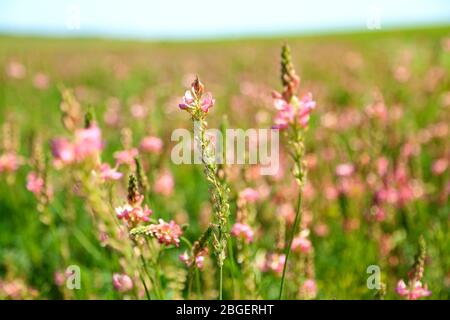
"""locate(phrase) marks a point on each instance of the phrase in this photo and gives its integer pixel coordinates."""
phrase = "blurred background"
(378, 147)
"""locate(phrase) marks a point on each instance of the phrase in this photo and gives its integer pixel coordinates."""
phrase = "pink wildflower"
(41, 81)
(16, 70)
(199, 258)
(301, 243)
(108, 173)
(166, 233)
(164, 184)
(249, 195)
(133, 214)
(63, 151)
(439, 166)
(122, 282)
(295, 111)
(126, 156)
(309, 289)
(35, 183)
(9, 162)
(243, 231)
(151, 144)
(416, 291)
(274, 262)
(88, 142)
(345, 169)
(191, 101)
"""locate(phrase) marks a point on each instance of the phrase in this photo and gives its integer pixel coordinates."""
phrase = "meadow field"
(86, 171)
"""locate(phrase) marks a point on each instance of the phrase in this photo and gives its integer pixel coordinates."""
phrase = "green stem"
(291, 239)
(220, 282)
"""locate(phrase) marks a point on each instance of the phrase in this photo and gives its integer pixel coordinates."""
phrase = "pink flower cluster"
(309, 289)
(166, 233)
(108, 173)
(134, 214)
(415, 291)
(151, 144)
(87, 142)
(193, 99)
(301, 243)
(293, 112)
(164, 184)
(274, 262)
(198, 259)
(35, 184)
(242, 231)
(190, 101)
(126, 157)
(122, 282)
(249, 195)
(9, 162)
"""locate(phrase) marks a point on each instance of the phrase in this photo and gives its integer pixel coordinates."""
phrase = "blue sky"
(183, 19)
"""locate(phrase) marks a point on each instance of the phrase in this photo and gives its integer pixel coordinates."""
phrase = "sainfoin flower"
(164, 184)
(166, 233)
(133, 214)
(242, 231)
(302, 243)
(274, 262)
(108, 173)
(249, 195)
(87, 143)
(151, 144)
(309, 289)
(122, 282)
(35, 184)
(9, 162)
(416, 291)
(293, 112)
(198, 259)
(194, 100)
(126, 156)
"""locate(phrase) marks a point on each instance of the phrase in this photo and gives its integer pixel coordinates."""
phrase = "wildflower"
(166, 233)
(16, 70)
(292, 112)
(151, 144)
(133, 214)
(35, 183)
(9, 162)
(439, 166)
(309, 289)
(198, 259)
(138, 111)
(292, 117)
(416, 292)
(88, 142)
(274, 262)
(108, 173)
(249, 195)
(345, 170)
(243, 231)
(122, 282)
(301, 243)
(164, 184)
(198, 106)
(193, 101)
(126, 156)
(41, 81)
(415, 289)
